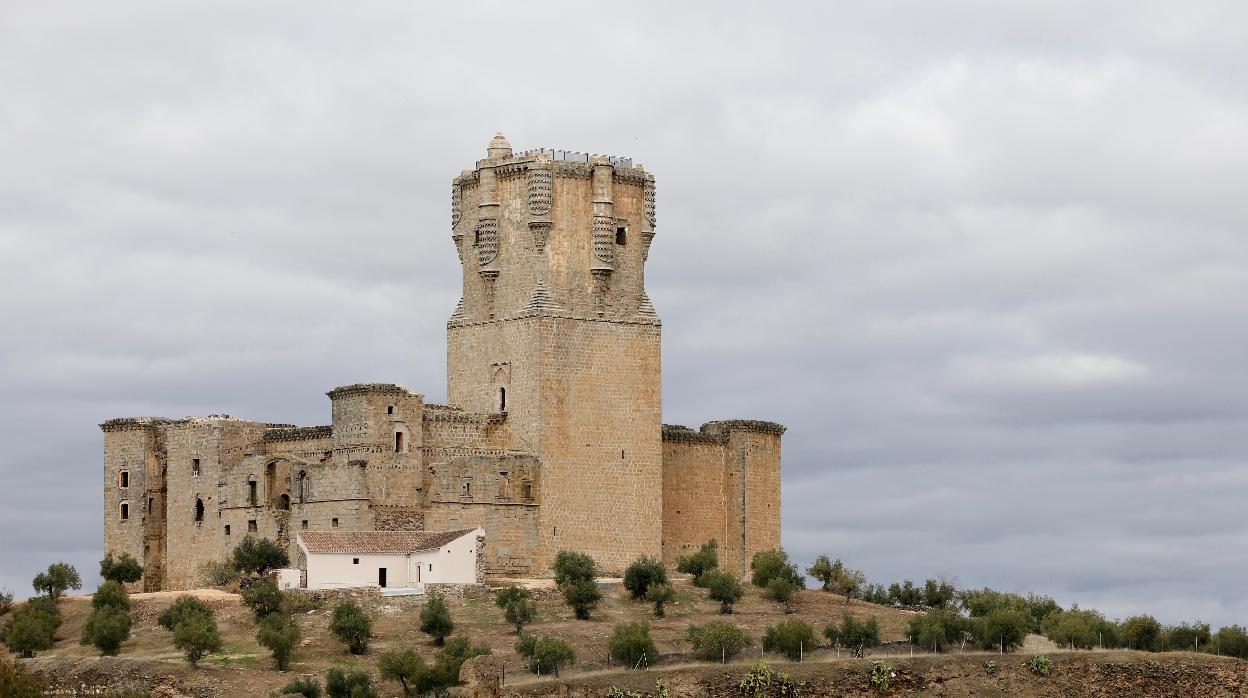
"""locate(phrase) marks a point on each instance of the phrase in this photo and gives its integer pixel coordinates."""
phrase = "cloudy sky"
(989, 265)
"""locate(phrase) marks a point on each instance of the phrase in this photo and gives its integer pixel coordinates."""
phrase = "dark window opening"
(502, 399)
(355, 560)
(381, 576)
(283, 502)
(251, 526)
(621, 454)
(199, 509)
(227, 529)
(398, 442)
(125, 511)
(466, 488)
(327, 455)
(390, 409)
(334, 523)
(125, 478)
(476, 237)
(194, 466)
(526, 490)
(150, 502)
(304, 524)
(504, 486)
(621, 236)
(251, 492)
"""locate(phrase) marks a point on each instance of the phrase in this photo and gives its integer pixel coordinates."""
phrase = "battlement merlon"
(718, 431)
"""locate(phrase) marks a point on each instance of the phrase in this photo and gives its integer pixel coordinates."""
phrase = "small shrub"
(452, 657)
(717, 640)
(660, 595)
(182, 608)
(1002, 629)
(545, 654)
(414, 674)
(701, 562)
(218, 573)
(991, 666)
(722, 587)
(352, 625)
(783, 591)
(110, 595)
(572, 566)
(307, 687)
(107, 628)
(344, 684)
(642, 574)
(32, 627)
(790, 638)
(853, 634)
(774, 564)
(1040, 665)
(124, 568)
(583, 596)
(631, 645)
(59, 577)
(196, 635)
(936, 630)
(259, 555)
(279, 635)
(16, 682)
(881, 676)
(764, 682)
(435, 619)
(518, 608)
(264, 599)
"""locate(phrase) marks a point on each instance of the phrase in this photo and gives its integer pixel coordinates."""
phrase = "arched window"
(399, 445)
(125, 510)
(199, 509)
(283, 502)
(270, 482)
(502, 399)
(251, 491)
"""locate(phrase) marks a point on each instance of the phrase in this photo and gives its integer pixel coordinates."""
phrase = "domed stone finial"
(498, 148)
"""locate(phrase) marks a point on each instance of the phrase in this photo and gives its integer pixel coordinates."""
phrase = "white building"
(392, 559)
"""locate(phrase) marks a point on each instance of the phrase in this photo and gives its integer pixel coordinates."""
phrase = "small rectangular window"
(334, 523)
(194, 466)
(390, 409)
(304, 524)
(251, 525)
(527, 490)
(125, 511)
(251, 492)
(125, 478)
(227, 529)
(355, 560)
(621, 236)
(398, 442)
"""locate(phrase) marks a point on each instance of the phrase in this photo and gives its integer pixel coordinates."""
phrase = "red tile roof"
(378, 542)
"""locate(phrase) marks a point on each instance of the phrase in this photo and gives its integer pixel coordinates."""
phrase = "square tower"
(554, 333)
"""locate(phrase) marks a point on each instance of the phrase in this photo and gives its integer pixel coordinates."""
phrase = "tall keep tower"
(555, 336)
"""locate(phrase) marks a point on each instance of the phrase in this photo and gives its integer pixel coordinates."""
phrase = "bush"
(881, 676)
(938, 629)
(6, 601)
(124, 569)
(452, 657)
(279, 635)
(790, 638)
(196, 635)
(59, 577)
(774, 564)
(571, 566)
(717, 640)
(259, 555)
(182, 608)
(701, 562)
(1040, 665)
(110, 595)
(781, 590)
(107, 628)
(418, 677)
(544, 654)
(723, 588)
(218, 573)
(1184, 637)
(344, 684)
(264, 599)
(631, 645)
(762, 682)
(939, 593)
(518, 609)
(1140, 633)
(660, 595)
(1002, 629)
(852, 634)
(435, 619)
(307, 687)
(352, 625)
(32, 627)
(1083, 629)
(642, 574)
(583, 596)
(990, 667)
(1232, 641)
(836, 577)
(15, 682)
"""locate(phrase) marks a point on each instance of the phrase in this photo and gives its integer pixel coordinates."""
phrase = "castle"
(553, 436)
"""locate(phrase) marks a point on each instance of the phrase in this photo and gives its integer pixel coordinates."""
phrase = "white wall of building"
(453, 563)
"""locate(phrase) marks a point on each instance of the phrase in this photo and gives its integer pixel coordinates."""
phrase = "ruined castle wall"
(752, 458)
(136, 450)
(695, 496)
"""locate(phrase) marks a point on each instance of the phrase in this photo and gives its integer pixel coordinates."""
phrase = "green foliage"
(218, 573)
(1039, 608)
(1232, 641)
(59, 577)
(717, 640)
(435, 619)
(643, 573)
(264, 599)
(307, 687)
(16, 682)
(196, 635)
(981, 602)
(790, 638)
(259, 555)
(583, 596)
(852, 633)
(824, 571)
(836, 577)
(182, 608)
(722, 587)
(939, 593)
(572, 566)
(764, 682)
(631, 645)
(279, 634)
(1082, 629)
(1186, 638)
(1140, 633)
(1000, 629)
(906, 594)
(518, 609)
(110, 594)
(32, 627)
(660, 595)
(881, 676)
(875, 593)
(107, 628)
(781, 590)
(938, 629)
(452, 657)
(1040, 665)
(124, 569)
(701, 562)
(545, 654)
(344, 684)
(774, 564)
(352, 625)
(6, 601)
(418, 677)
(991, 666)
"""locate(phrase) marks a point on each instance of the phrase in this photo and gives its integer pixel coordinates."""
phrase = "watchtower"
(555, 335)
